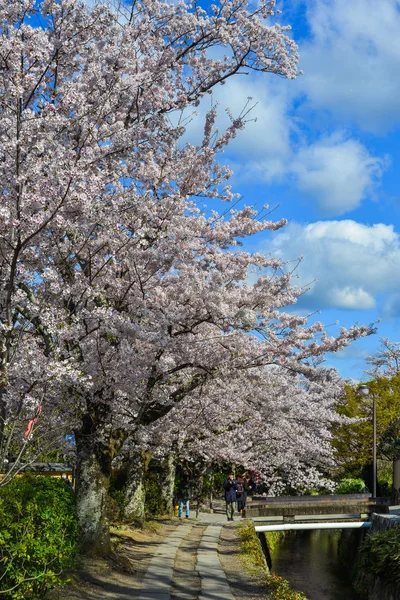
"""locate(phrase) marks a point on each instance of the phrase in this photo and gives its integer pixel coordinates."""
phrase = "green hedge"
(37, 536)
(351, 486)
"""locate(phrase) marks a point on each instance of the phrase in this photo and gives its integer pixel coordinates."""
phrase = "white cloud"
(268, 129)
(391, 307)
(339, 173)
(336, 172)
(353, 264)
(352, 298)
(351, 62)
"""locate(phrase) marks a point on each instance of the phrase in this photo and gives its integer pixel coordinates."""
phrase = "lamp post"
(364, 391)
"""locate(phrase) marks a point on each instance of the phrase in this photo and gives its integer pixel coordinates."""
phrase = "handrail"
(302, 526)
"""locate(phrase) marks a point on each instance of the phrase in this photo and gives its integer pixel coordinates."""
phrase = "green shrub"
(384, 487)
(37, 535)
(351, 486)
(380, 555)
(118, 498)
(153, 505)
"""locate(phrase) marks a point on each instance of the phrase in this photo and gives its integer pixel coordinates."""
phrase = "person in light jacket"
(230, 487)
(184, 493)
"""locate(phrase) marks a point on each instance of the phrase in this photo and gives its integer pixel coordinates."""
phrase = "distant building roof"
(45, 467)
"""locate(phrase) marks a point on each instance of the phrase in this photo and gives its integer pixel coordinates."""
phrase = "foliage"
(110, 261)
(259, 434)
(117, 499)
(385, 478)
(153, 506)
(380, 556)
(385, 362)
(37, 535)
(278, 588)
(390, 439)
(218, 483)
(352, 441)
(351, 486)
(250, 546)
(213, 483)
(117, 488)
(273, 538)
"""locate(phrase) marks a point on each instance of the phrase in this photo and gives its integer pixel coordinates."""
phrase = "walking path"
(193, 562)
(158, 582)
(214, 584)
(158, 579)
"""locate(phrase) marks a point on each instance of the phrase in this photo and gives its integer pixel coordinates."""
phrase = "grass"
(254, 562)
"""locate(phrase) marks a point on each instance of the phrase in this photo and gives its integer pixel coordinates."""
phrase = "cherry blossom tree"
(385, 362)
(128, 294)
(275, 422)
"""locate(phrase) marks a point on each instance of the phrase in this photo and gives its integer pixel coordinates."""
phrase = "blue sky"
(324, 153)
(324, 150)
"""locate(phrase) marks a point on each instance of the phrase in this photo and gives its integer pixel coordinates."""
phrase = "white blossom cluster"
(124, 302)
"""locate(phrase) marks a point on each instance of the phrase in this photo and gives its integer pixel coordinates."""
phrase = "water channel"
(309, 561)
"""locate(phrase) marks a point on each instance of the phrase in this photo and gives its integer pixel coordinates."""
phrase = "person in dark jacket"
(251, 485)
(241, 493)
(184, 493)
(230, 487)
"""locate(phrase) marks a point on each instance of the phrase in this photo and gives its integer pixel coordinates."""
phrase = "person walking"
(230, 487)
(241, 493)
(184, 493)
(251, 485)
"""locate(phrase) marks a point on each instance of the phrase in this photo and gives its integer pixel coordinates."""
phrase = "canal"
(309, 561)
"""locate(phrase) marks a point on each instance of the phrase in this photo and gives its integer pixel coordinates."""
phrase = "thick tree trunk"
(396, 482)
(135, 494)
(199, 475)
(167, 483)
(93, 468)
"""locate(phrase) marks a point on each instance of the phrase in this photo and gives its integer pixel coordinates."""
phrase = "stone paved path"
(159, 579)
(185, 565)
(214, 584)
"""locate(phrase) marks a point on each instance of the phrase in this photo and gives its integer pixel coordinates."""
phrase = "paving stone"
(186, 579)
(157, 582)
(214, 584)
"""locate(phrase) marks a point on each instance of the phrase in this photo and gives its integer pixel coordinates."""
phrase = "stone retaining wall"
(378, 588)
(383, 523)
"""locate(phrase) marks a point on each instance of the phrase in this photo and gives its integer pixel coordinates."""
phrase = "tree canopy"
(122, 295)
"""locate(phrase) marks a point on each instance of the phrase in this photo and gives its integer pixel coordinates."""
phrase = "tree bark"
(167, 483)
(93, 469)
(135, 493)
